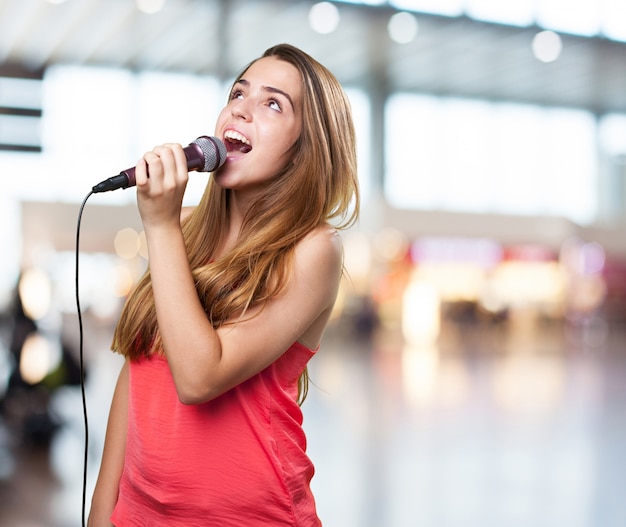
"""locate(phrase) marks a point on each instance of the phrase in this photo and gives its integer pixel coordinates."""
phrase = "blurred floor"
(519, 425)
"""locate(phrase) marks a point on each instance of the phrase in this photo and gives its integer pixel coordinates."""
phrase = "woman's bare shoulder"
(324, 234)
(322, 244)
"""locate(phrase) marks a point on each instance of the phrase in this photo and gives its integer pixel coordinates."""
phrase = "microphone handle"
(126, 178)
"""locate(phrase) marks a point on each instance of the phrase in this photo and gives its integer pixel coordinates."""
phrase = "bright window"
(361, 117)
(474, 156)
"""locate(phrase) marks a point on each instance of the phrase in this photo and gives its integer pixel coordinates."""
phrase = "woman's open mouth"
(236, 142)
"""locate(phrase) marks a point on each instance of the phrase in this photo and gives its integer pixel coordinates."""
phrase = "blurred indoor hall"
(472, 374)
(518, 421)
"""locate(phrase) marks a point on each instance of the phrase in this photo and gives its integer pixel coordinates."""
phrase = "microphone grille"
(214, 151)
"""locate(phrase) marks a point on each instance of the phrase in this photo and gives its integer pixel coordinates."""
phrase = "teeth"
(231, 134)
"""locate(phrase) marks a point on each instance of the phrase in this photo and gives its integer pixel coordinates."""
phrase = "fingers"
(164, 167)
(161, 178)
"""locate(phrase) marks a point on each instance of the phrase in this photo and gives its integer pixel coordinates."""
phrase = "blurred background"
(473, 372)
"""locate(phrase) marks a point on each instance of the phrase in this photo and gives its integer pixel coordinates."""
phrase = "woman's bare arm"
(206, 362)
(107, 484)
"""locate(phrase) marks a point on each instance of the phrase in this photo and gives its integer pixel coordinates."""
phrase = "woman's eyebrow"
(269, 89)
(281, 92)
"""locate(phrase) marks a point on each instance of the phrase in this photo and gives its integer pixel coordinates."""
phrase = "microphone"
(205, 154)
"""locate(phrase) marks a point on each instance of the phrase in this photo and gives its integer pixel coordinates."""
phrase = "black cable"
(82, 364)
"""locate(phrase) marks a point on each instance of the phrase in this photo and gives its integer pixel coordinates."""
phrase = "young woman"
(205, 424)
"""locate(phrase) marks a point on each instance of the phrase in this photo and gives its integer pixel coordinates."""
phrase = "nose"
(241, 110)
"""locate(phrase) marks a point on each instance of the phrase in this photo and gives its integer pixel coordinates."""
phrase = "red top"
(238, 460)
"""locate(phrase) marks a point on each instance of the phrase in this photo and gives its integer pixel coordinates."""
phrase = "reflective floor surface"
(518, 425)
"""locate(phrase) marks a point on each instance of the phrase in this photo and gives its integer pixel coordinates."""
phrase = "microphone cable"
(82, 362)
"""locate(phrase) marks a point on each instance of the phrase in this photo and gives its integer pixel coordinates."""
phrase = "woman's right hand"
(161, 177)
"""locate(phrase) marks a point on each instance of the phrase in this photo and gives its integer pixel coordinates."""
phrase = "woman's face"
(260, 124)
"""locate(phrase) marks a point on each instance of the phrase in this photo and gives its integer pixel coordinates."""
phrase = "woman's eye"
(274, 105)
(236, 94)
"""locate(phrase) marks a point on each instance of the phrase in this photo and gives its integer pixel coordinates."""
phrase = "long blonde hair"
(319, 185)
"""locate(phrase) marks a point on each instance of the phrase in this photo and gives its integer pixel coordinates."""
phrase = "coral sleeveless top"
(238, 460)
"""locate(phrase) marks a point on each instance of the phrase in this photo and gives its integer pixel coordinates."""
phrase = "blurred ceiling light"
(127, 243)
(36, 359)
(402, 27)
(56, 2)
(547, 46)
(124, 281)
(150, 6)
(514, 12)
(439, 7)
(35, 293)
(324, 17)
